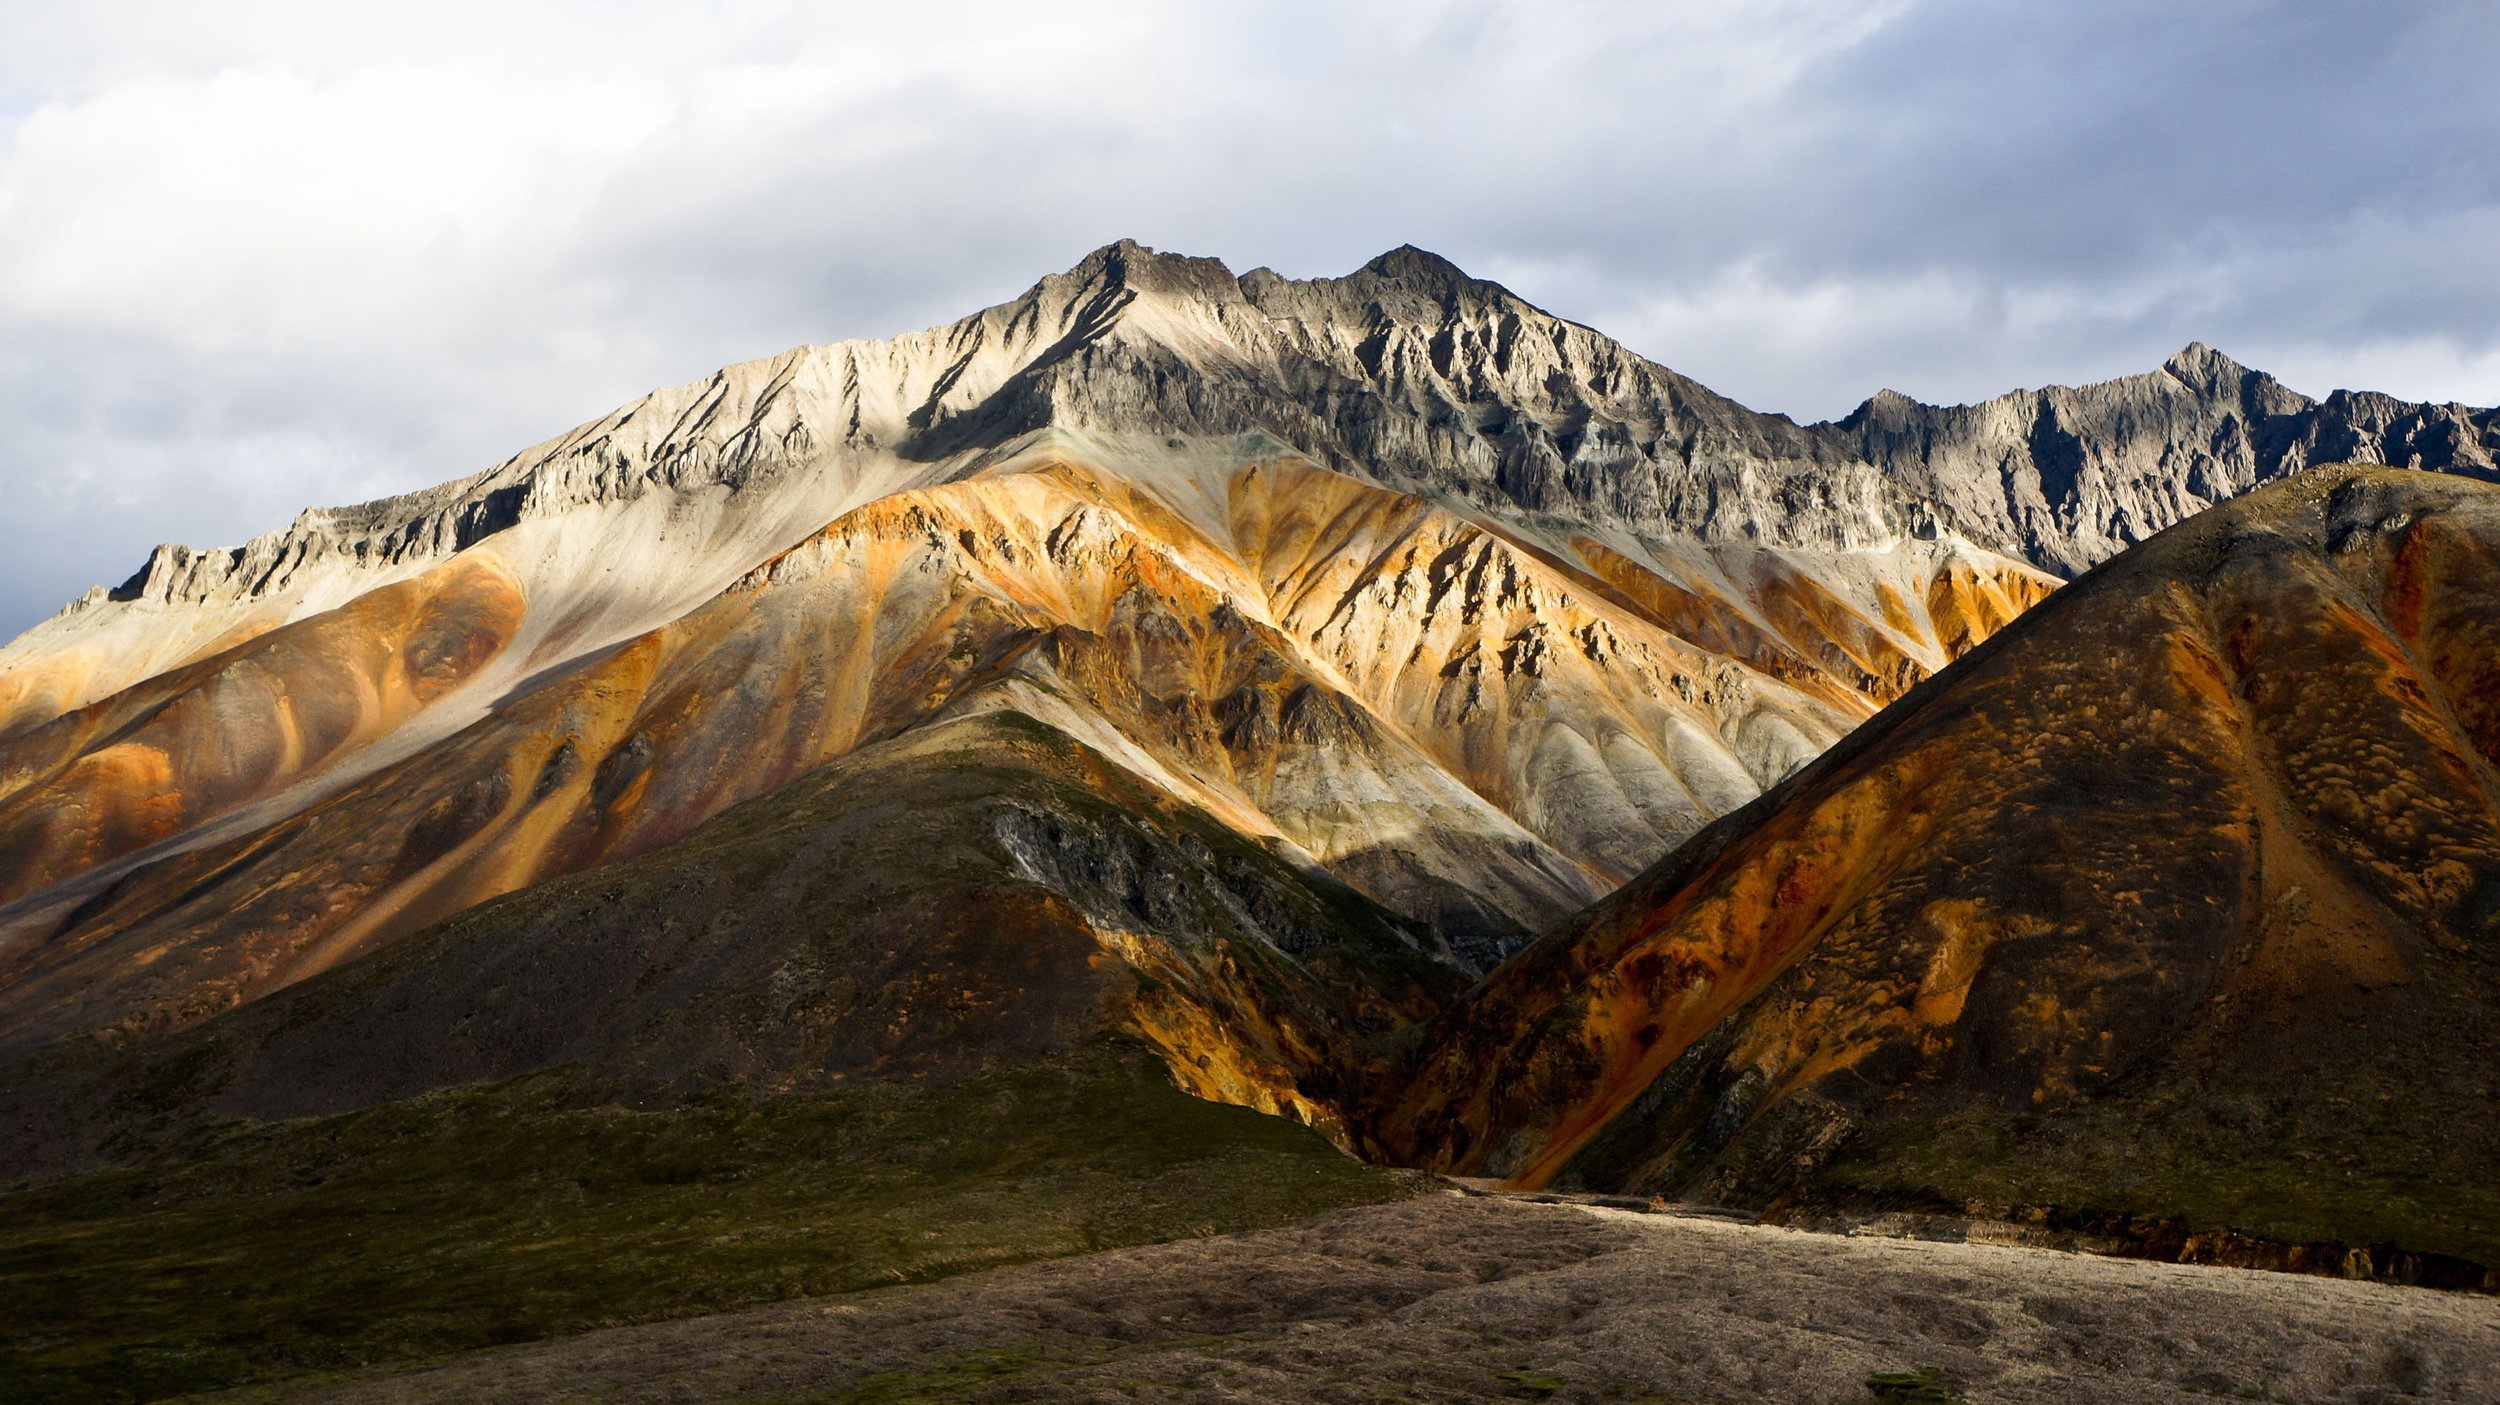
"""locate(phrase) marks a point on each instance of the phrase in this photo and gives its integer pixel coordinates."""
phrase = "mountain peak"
(2199, 364)
(1127, 263)
(1409, 264)
(1118, 256)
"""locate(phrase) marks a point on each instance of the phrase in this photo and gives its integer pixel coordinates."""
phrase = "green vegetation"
(2207, 1165)
(509, 1212)
(1925, 1386)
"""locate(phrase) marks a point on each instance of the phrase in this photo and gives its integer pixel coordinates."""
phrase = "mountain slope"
(1445, 598)
(2179, 897)
(1481, 735)
(978, 894)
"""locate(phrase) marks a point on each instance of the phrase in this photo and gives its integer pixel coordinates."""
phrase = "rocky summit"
(1022, 750)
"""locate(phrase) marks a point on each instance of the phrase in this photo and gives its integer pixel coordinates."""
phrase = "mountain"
(1425, 591)
(874, 808)
(2179, 899)
(1108, 506)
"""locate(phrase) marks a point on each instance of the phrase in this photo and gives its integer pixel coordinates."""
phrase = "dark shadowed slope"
(493, 1215)
(963, 998)
(974, 895)
(2180, 897)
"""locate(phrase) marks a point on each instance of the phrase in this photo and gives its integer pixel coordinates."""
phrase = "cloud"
(259, 207)
(257, 256)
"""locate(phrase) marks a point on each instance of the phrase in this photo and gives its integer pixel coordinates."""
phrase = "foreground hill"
(2179, 898)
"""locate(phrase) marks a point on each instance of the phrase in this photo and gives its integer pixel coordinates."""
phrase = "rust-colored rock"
(2180, 896)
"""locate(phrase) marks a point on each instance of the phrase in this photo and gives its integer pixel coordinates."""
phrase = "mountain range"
(1391, 705)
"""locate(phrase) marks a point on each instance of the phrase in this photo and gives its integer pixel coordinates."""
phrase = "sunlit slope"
(1479, 734)
(154, 760)
(616, 526)
(2181, 896)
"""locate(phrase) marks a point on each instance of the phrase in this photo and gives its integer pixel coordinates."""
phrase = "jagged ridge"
(1406, 372)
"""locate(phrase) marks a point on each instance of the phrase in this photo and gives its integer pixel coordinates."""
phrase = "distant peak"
(1113, 260)
(1886, 406)
(1410, 264)
(1127, 263)
(2197, 363)
(1119, 253)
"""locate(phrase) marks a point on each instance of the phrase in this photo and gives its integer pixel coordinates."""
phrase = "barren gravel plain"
(1450, 1298)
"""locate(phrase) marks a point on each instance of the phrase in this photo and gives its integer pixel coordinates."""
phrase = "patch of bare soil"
(1482, 1299)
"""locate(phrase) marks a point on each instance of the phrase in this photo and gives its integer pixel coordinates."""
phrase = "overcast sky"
(259, 256)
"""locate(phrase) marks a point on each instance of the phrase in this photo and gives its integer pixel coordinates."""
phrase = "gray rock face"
(1411, 373)
(1407, 373)
(2067, 477)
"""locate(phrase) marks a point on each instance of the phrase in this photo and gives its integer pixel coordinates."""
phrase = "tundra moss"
(506, 1213)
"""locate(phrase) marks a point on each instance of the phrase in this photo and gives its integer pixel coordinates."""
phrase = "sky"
(261, 256)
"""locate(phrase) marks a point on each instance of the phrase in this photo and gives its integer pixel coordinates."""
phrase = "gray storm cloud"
(286, 255)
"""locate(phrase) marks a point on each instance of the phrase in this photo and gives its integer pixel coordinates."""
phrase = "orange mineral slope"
(184, 747)
(1478, 734)
(2179, 897)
